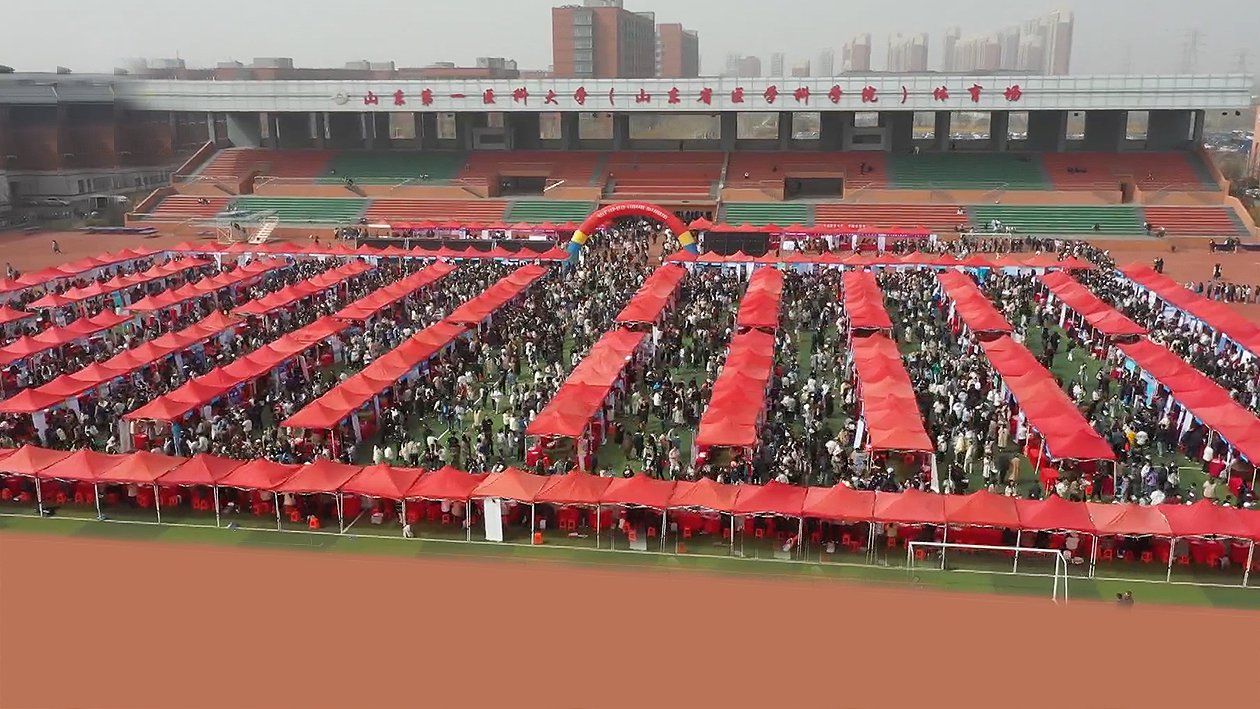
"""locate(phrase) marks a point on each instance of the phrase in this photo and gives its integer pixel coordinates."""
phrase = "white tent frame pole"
(341, 517)
(214, 489)
(533, 523)
(1018, 538)
(96, 494)
(276, 504)
(404, 511)
(1172, 547)
(39, 496)
(157, 502)
(1251, 552)
(468, 519)
(664, 518)
(1093, 556)
(597, 522)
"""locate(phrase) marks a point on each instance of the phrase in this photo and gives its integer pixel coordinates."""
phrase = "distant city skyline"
(1118, 36)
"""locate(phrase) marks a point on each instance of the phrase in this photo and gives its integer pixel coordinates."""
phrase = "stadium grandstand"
(319, 154)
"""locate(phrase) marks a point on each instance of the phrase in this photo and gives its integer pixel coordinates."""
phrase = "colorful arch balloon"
(603, 215)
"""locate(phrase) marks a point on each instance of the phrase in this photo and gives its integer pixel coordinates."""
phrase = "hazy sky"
(1111, 35)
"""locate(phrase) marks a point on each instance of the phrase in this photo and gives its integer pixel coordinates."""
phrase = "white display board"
(493, 508)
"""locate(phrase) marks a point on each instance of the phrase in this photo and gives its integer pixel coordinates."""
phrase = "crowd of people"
(470, 406)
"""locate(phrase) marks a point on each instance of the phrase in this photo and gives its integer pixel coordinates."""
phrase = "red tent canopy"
(575, 404)
(576, 488)
(85, 465)
(982, 509)
(322, 476)
(909, 507)
(864, 301)
(1053, 512)
(1202, 396)
(888, 404)
(738, 396)
(972, 306)
(639, 490)
(260, 474)
(383, 297)
(1129, 520)
(1219, 316)
(1098, 314)
(507, 288)
(656, 292)
(511, 484)
(1205, 518)
(839, 503)
(383, 481)
(704, 493)
(141, 467)
(8, 315)
(762, 301)
(29, 460)
(1048, 409)
(446, 484)
(201, 469)
(772, 498)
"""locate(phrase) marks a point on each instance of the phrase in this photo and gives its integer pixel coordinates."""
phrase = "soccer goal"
(947, 557)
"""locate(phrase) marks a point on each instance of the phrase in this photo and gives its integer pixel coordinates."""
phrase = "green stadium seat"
(1063, 219)
(537, 211)
(964, 171)
(761, 213)
(302, 210)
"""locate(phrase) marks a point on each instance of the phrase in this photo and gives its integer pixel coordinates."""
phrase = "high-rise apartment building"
(776, 64)
(800, 70)
(857, 54)
(742, 66)
(826, 63)
(907, 53)
(677, 52)
(600, 39)
(1042, 45)
(951, 41)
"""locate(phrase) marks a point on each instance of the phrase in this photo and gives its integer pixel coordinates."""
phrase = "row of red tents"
(578, 400)
(352, 393)
(391, 293)
(839, 504)
(191, 291)
(199, 391)
(58, 336)
(1202, 397)
(888, 405)
(1100, 316)
(971, 304)
(739, 393)
(290, 248)
(864, 301)
(73, 269)
(304, 289)
(1043, 403)
(657, 291)
(914, 258)
(117, 283)
(479, 308)
(67, 386)
(1216, 315)
(762, 300)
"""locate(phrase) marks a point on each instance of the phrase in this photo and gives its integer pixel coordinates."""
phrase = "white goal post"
(932, 556)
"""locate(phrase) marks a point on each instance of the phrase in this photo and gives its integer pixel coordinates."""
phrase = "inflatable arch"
(603, 215)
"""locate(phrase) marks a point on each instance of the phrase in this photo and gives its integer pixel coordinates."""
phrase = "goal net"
(1020, 568)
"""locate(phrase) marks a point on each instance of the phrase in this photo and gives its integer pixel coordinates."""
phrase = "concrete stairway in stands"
(303, 210)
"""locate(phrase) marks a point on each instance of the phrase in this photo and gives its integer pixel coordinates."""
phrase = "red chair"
(312, 522)
(651, 532)
(1108, 555)
(295, 516)
(1147, 557)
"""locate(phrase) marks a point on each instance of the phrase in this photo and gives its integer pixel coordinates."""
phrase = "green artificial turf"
(702, 555)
